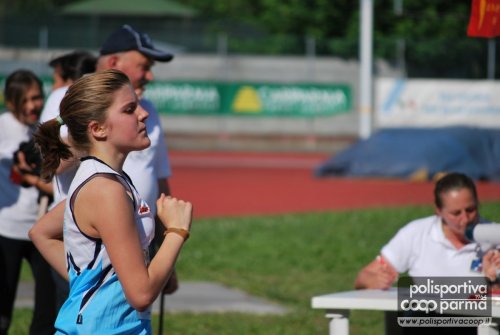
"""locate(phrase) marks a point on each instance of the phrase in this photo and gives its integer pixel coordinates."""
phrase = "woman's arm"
(379, 274)
(37, 182)
(112, 220)
(47, 235)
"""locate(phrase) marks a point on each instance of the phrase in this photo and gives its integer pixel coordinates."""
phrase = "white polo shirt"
(421, 249)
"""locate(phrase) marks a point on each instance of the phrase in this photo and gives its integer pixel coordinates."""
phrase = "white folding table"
(337, 306)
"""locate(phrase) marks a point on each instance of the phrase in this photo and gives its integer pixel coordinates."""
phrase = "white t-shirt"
(50, 110)
(421, 248)
(18, 205)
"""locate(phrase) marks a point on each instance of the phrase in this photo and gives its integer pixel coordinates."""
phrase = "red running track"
(234, 184)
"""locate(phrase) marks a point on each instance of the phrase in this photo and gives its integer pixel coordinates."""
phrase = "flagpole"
(491, 58)
(366, 69)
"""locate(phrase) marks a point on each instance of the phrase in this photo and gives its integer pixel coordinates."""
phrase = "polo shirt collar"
(437, 234)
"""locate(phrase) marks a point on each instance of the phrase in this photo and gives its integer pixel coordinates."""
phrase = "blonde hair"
(86, 100)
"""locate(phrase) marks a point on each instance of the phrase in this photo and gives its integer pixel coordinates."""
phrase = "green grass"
(287, 259)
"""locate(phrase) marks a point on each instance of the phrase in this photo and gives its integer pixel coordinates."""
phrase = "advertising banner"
(250, 99)
(244, 99)
(185, 97)
(437, 103)
(287, 100)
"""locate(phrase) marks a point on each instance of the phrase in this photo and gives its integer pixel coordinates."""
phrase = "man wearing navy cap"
(133, 53)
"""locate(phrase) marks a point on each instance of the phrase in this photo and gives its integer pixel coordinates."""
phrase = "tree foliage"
(319, 18)
(430, 35)
(325, 18)
(31, 7)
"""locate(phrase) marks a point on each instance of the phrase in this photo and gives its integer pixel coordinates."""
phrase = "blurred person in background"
(20, 187)
(67, 68)
(133, 52)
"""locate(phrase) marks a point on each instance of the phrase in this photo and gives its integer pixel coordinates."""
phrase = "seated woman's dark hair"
(451, 181)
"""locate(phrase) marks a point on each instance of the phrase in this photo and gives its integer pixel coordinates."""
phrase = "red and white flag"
(484, 18)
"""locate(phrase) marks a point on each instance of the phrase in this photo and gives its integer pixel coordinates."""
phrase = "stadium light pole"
(366, 70)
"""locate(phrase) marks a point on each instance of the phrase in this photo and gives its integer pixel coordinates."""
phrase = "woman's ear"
(97, 130)
(437, 211)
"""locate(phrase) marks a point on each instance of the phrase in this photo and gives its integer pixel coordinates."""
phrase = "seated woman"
(435, 246)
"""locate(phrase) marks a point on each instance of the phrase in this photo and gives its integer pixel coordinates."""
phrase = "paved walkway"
(195, 297)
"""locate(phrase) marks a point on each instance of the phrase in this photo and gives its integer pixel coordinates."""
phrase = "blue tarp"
(402, 152)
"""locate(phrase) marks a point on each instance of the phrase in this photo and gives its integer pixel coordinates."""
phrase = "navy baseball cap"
(127, 38)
